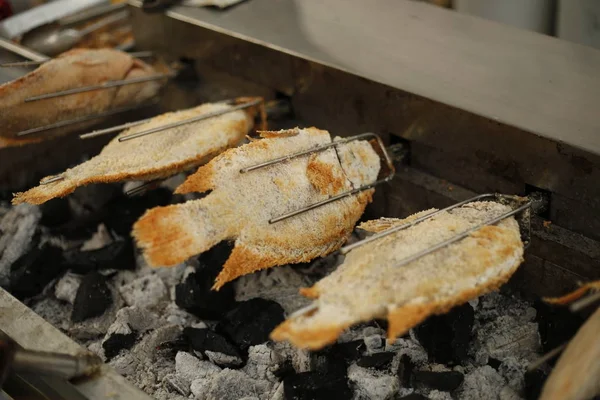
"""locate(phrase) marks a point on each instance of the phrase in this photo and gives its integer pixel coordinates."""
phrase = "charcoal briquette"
(251, 322)
(117, 342)
(93, 297)
(445, 381)
(381, 361)
(316, 386)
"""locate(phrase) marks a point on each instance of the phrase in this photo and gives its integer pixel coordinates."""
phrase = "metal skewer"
(546, 357)
(21, 51)
(157, 129)
(320, 148)
(137, 54)
(585, 302)
(190, 120)
(102, 86)
(455, 238)
(61, 124)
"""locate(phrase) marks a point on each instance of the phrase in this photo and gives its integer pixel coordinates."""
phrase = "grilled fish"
(155, 156)
(72, 69)
(369, 284)
(241, 204)
(576, 375)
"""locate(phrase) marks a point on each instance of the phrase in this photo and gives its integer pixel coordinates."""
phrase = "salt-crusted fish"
(241, 204)
(576, 375)
(370, 284)
(72, 69)
(155, 156)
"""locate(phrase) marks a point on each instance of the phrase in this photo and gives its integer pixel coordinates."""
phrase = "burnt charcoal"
(328, 364)
(316, 386)
(492, 362)
(121, 212)
(381, 361)
(35, 269)
(556, 325)
(195, 294)
(534, 382)
(213, 260)
(405, 371)
(203, 340)
(380, 323)
(79, 228)
(446, 337)
(445, 381)
(55, 212)
(284, 369)
(348, 351)
(93, 297)
(117, 342)
(170, 349)
(412, 396)
(251, 322)
(116, 255)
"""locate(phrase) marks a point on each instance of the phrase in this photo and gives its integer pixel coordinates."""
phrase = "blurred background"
(573, 20)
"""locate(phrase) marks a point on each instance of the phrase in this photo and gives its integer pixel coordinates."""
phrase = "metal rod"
(61, 124)
(21, 50)
(327, 201)
(117, 128)
(55, 364)
(387, 159)
(102, 86)
(546, 357)
(461, 236)
(53, 179)
(303, 310)
(138, 54)
(190, 120)
(585, 302)
(309, 151)
(142, 188)
(377, 236)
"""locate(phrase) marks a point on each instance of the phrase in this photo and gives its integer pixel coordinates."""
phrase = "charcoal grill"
(477, 107)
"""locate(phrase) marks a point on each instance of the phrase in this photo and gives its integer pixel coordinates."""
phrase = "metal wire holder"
(386, 157)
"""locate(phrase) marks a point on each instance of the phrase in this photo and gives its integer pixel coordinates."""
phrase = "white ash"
(173, 382)
(374, 343)
(130, 319)
(66, 287)
(145, 292)
(17, 228)
(278, 393)
(190, 368)
(99, 239)
(300, 358)
(278, 284)
(513, 371)
(439, 395)
(408, 347)
(146, 348)
(372, 384)
(222, 359)
(230, 384)
(54, 311)
(481, 383)
(506, 336)
(262, 362)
